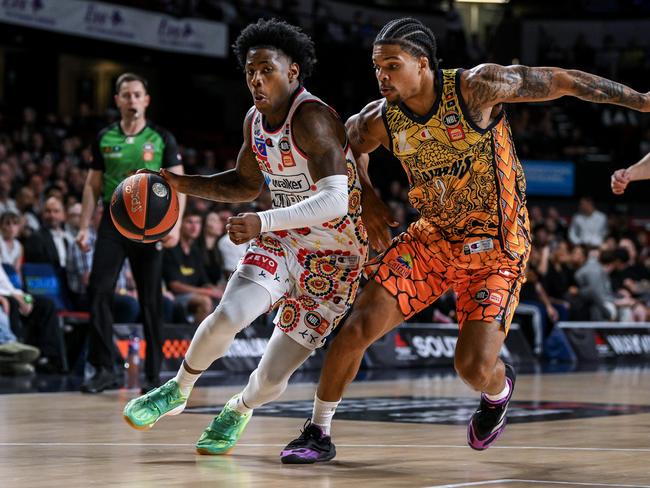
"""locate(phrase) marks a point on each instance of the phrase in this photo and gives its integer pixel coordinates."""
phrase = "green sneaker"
(142, 412)
(223, 432)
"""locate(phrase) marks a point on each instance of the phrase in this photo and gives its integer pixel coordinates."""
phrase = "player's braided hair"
(413, 36)
(277, 34)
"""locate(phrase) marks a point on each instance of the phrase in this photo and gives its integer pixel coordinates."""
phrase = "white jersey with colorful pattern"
(312, 273)
(286, 173)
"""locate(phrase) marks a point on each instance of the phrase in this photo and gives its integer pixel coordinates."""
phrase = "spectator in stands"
(588, 226)
(212, 230)
(595, 286)
(17, 358)
(51, 243)
(25, 204)
(11, 250)
(184, 272)
(33, 320)
(558, 278)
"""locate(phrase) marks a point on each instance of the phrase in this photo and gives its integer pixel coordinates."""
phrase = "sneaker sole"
(174, 411)
(294, 459)
(205, 452)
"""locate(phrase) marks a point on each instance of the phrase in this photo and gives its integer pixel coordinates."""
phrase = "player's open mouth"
(259, 97)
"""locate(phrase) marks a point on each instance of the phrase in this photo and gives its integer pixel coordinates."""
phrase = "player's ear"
(294, 71)
(424, 62)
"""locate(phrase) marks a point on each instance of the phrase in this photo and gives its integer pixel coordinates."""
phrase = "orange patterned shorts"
(420, 266)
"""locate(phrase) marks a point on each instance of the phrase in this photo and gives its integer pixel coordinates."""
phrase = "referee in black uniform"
(120, 150)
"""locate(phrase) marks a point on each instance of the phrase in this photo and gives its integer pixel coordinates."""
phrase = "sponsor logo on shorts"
(316, 322)
(482, 295)
(495, 298)
(402, 265)
(261, 261)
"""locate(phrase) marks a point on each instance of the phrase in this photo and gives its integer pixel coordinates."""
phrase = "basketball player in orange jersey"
(307, 251)
(449, 131)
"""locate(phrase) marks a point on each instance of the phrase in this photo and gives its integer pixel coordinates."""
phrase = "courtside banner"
(243, 355)
(596, 341)
(115, 23)
(417, 345)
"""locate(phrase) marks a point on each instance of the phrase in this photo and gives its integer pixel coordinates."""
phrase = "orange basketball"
(144, 207)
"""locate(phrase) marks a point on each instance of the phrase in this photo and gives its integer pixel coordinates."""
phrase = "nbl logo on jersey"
(285, 150)
(452, 122)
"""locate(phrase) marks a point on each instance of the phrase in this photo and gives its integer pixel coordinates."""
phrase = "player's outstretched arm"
(366, 132)
(487, 85)
(241, 184)
(622, 177)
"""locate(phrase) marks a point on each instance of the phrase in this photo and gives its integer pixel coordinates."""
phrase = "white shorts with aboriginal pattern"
(312, 290)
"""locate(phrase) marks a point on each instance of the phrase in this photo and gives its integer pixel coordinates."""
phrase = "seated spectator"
(126, 308)
(11, 250)
(25, 204)
(34, 321)
(212, 230)
(185, 275)
(588, 226)
(16, 358)
(51, 243)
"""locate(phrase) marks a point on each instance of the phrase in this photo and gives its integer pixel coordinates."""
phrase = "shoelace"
(487, 417)
(229, 417)
(165, 391)
(305, 434)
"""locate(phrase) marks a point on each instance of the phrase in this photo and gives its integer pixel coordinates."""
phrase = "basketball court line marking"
(364, 446)
(532, 482)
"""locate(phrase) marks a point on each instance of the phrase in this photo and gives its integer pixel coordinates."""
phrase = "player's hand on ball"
(173, 179)
(620, 179)
(243, 227)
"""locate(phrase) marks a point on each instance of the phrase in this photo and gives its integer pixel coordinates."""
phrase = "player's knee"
(269, 379)
(357, 331)
(223, 318)
(474, 370)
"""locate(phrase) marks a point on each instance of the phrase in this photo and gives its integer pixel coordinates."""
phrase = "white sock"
(186, 380)
(499, 396)
(323, 413)
(236, 403)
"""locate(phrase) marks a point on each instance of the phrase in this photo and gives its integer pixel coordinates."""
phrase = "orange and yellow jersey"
(465, 181)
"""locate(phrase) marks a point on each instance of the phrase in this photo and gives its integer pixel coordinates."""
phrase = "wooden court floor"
(69, 440)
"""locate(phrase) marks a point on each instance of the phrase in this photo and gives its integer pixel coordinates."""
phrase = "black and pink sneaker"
(311, 447)
(489, 421)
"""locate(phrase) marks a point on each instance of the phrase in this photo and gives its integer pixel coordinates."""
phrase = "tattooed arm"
(366, 132)
(241, 184)
(488, 85)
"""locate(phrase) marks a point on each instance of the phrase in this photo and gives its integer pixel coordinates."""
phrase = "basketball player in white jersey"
(307, 251)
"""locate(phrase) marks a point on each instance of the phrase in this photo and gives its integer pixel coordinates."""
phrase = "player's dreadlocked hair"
(277, 34)
(413, 36)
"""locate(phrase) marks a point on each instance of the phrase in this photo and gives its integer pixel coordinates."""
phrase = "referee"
(120, 150)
